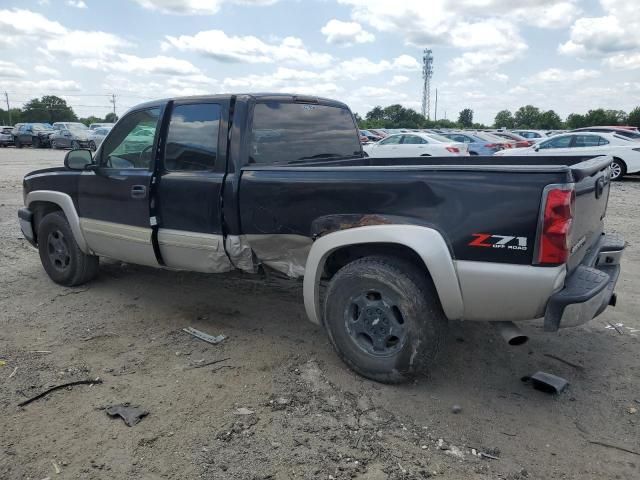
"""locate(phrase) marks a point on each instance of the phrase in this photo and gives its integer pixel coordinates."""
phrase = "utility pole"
(113, 100)
(6, 96)
(435, 113)
(427, 73)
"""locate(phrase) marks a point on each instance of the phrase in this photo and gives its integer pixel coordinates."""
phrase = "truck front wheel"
(384, 318)
(60, 255)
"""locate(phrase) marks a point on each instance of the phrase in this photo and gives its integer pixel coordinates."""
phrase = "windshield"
(292, 132)
(41, 126)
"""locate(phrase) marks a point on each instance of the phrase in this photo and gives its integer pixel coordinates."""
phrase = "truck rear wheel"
(384, 318)
(60, 255)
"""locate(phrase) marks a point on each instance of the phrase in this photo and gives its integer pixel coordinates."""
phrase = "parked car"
(629, 132)
(96, 136)
(379, 132)
(68, 125)
(625, 152)
(370, 135)
(476, 145)
(16, 128)
(72, 137)
(6, 136)
(519, 141)
(531, 134)
(34, 134)
(417, 144)
(402, 246)
(93, 126)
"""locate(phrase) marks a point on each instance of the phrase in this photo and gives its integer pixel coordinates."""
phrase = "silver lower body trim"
(121, 242)
(499, 291)
(193, 251)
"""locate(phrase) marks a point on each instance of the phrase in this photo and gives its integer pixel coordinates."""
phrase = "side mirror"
(78, 159)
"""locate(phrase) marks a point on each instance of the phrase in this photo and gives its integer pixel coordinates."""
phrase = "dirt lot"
(312, 418)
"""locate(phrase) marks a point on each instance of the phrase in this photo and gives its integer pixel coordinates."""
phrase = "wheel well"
(40, 210)
(347, 254)
(622, 162)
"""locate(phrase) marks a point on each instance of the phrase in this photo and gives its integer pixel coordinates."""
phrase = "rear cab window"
(288, 132)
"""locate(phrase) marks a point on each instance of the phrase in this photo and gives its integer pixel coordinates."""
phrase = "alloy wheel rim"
(616, 170)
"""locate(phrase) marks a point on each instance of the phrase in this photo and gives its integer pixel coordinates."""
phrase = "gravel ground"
(280, 404)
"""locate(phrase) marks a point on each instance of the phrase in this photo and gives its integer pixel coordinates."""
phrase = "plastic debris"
(243, 411)
(130, 414)
(204, 336)
(547, 382)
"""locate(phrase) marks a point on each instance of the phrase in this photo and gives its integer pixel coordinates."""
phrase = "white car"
(625, 152)
(93, 126)
(415, 144)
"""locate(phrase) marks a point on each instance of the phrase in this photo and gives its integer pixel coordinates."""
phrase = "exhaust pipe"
(511, 333)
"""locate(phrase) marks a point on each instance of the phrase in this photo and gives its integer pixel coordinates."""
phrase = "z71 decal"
(488, 240)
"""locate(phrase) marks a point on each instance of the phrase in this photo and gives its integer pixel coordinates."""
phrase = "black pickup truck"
(217, 183)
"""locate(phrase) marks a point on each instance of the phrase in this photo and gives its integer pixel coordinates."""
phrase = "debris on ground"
(566, 362)
(243, 411)
(56, 467)
(97, 381)
(202, 363)
(204, 336)
(615, 447)
(14, 372)
(547, 382)
(615, 326)
(130, 414)
(456, 409)
(632, 410)
(2, 363)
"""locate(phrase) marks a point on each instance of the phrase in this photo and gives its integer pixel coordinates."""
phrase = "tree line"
(49, 109)
(528, 116)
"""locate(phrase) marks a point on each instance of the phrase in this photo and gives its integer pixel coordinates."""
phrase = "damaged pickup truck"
(217, 183)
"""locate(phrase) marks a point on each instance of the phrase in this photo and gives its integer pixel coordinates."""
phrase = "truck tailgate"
(592, 184)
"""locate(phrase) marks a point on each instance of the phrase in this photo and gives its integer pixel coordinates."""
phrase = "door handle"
(138, 191)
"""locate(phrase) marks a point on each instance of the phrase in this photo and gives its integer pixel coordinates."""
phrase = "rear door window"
(393, 140)
(412, 140)
(587, 141)
(298, 132)
(557, 142)
(192, 140)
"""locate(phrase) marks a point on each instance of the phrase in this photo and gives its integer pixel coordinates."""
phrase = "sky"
(489, 55)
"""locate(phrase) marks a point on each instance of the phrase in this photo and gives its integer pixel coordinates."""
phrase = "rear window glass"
(294, 132)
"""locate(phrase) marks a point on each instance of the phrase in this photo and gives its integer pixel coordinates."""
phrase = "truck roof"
(291, 97)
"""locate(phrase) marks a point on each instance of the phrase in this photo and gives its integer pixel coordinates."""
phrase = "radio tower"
(427, 73)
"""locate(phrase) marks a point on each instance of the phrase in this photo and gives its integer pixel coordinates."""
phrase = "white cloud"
(380, 93)
(133, 64)
(44, 70)
(42, 87)
(617, 31)
(76, 3)
(24, 26)
(398, 80)
(248, 49)
(195, 7)
(557, 75)
(624, 61)
(18, 23)
(346, 33)
(11, 70)
(85, 44)
(361, 66)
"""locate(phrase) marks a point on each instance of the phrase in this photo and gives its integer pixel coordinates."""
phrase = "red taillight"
(523, 143)
(453, 149)
(556, 226)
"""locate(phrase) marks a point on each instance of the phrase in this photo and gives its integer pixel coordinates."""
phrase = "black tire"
(92, 146)
(52, 145)
(75, 145)
(409, 325)
(618, 169)
(17, 143)
(61, 256)
(473, 153)
(35, 142)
